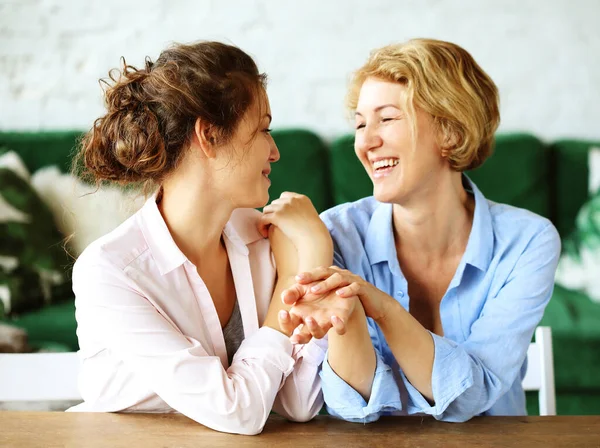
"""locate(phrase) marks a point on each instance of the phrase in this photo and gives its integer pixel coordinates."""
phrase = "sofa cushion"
(575, 323)
(350, 181)
(570, 186)
(516, 174)
(570, 402)
(51, 326)
(302, 168)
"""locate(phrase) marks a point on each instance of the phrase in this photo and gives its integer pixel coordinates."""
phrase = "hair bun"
(126, 144)
(139, 146)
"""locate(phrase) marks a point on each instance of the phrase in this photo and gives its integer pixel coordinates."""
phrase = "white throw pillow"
(82, 212)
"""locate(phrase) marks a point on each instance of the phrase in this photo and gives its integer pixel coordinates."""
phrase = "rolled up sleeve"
(345, 402)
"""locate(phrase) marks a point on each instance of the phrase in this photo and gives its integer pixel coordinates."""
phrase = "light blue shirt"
(489, 312)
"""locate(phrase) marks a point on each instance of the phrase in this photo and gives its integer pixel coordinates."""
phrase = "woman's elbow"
(299, 412)
(246, 423)
(303, 416)
(238, 427)
(454, 418)
(252, 430)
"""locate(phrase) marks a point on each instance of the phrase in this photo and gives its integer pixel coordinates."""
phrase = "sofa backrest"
(40, 149)
(551, 180)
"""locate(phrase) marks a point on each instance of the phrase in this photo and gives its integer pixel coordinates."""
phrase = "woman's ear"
(448, 139)
(204, 137)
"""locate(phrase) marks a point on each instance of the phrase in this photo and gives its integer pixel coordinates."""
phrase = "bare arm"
(411, 345)
(357, 370)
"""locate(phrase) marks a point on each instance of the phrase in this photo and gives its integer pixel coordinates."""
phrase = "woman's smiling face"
(398, 164)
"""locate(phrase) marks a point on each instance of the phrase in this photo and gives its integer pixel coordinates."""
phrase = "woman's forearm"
(313, 254)
(411, 344)
(352, 356)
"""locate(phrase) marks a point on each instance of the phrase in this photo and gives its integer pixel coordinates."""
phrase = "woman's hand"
(318, 313)
(333, 280)
(295, 215)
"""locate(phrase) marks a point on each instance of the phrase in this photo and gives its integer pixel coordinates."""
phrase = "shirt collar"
(380, 246)
(379, 242)
(480, 247)
(240, 230)
(165, 252)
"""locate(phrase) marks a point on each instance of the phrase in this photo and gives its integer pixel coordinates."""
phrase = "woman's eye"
(268, 131)
(359, 126)
(386, 119)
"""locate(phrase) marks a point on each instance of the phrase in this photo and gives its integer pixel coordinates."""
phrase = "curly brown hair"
(151, 112)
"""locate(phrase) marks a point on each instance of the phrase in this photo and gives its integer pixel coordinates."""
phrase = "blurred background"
(544, 56)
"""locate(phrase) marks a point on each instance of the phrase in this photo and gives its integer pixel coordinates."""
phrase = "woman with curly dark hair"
(174, 307)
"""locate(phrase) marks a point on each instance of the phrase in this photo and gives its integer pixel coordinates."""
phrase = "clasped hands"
(322, 299)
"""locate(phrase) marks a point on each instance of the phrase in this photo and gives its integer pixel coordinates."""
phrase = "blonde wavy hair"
(443, 80)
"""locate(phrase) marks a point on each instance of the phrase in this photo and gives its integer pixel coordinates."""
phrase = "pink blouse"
(151, 341)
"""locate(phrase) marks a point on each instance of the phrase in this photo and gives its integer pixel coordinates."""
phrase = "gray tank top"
(233, 332)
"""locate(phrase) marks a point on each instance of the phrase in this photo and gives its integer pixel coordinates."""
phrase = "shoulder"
(518, 227)
(115, 250)
(350, 215)
(526, 246)
(245, 223)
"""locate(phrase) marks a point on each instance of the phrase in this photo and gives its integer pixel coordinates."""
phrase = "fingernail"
(310, 320)
(300, 277)
(316, 288)
(283, 314)
(340, 292)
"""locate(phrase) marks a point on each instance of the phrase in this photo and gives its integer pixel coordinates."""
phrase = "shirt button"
(400, 294)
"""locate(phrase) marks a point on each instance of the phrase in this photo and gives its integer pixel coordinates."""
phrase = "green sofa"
(549, 179)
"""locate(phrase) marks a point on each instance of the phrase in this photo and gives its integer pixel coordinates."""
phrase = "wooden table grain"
(57, 429)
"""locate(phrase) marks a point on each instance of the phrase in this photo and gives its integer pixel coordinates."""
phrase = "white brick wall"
(544, 55)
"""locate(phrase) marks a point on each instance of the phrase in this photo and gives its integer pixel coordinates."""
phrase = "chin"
(262, 203)
(385, 195)
(258, 201)
(253, 196)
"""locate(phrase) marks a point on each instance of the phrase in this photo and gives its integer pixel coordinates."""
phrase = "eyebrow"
(378, 108)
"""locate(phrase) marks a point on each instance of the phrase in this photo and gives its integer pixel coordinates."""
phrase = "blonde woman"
(450, 285)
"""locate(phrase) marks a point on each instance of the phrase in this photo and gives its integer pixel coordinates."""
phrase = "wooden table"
(57, 429)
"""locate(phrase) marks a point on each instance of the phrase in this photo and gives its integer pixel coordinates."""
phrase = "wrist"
(355, 320)
(384, 313)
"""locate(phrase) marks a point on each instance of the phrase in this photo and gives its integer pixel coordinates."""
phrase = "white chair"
(540, 370)
(39, 377)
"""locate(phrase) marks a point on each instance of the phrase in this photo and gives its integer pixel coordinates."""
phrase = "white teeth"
(385, 163)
